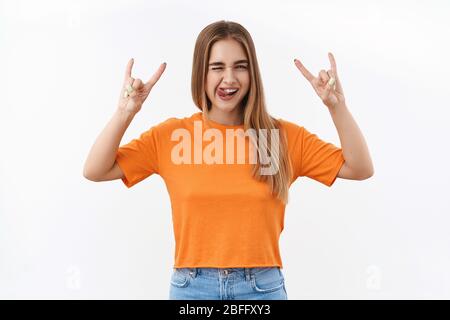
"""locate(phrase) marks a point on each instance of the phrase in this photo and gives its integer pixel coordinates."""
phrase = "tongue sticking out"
(223, 93)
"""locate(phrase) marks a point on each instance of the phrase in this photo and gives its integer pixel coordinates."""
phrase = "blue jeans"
(261, 283)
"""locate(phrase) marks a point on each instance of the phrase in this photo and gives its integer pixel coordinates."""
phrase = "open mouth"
(227, 93)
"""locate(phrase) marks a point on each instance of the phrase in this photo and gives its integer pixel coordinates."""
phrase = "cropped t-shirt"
(222, 216)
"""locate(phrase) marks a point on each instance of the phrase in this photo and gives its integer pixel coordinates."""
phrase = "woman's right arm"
(101, 164)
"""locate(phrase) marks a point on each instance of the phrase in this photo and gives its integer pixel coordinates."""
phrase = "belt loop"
(247, 274)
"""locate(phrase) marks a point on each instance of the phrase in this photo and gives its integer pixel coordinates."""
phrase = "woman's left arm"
(358, 163)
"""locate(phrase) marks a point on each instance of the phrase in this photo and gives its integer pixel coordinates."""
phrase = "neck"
(232, 117)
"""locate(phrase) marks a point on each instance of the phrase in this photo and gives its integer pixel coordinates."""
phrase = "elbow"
(87, 174)
(366, 174)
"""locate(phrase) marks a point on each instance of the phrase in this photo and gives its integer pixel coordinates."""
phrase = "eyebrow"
(217, 63)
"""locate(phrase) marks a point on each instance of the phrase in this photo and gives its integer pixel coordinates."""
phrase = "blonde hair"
(253, 104)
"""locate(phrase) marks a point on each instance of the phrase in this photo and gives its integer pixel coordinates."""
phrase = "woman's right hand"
(132, 102)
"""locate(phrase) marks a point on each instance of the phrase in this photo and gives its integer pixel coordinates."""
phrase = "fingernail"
(295, 60)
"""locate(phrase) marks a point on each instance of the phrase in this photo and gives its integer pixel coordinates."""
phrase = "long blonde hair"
(253, 104)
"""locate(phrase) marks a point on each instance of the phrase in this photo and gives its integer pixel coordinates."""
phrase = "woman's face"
(228, 67)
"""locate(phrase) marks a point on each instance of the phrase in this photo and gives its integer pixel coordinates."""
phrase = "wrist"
(337, 108)
(124, 114)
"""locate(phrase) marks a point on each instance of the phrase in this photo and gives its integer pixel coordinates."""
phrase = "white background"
(62, 65)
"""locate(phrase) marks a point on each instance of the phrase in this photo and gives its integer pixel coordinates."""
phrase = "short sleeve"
(319, 160)
(138, 159)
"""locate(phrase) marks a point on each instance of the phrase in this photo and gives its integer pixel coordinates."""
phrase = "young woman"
(228, 199)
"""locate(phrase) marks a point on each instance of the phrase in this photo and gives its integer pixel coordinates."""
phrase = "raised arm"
(358, 163)
(100, 164)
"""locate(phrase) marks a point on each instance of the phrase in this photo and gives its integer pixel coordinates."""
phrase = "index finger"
(151, 82)
(303, 70)
(332, 63)
(334, 71)
(128, 69)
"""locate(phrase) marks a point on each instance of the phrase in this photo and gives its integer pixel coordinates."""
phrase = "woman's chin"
(226, 107)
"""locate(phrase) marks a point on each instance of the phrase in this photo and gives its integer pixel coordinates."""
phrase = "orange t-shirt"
(222, 216)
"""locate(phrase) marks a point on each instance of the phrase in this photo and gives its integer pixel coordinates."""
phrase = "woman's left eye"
(220, 68)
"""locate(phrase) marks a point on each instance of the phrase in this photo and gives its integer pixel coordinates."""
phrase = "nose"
(228, 76)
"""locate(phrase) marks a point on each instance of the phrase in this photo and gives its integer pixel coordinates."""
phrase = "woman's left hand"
(329, 90)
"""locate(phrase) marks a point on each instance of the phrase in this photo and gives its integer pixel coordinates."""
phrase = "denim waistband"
(216, 272)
